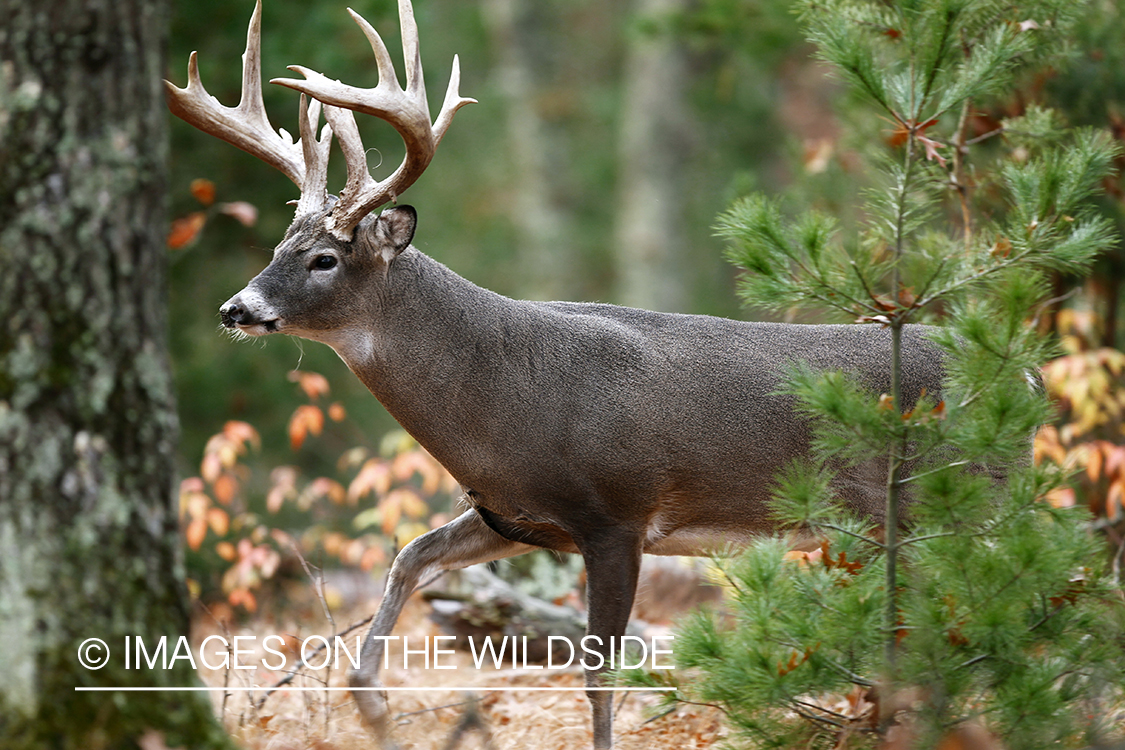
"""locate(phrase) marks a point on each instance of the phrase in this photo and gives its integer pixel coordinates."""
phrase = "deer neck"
(427, 354)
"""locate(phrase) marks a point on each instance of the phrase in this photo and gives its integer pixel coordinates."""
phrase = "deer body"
(587, 428)
(577, 427)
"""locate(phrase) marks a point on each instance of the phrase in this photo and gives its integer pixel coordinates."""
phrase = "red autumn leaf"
(185, 229)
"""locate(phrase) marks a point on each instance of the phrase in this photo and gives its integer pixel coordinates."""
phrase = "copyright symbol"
(93, 653)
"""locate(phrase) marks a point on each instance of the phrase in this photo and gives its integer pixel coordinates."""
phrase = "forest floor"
(444, 716)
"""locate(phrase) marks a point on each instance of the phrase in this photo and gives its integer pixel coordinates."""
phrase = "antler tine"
(314, 192)
(411, 49)
(245, 126)
(405, 109)
(453, 102)
(359, 181)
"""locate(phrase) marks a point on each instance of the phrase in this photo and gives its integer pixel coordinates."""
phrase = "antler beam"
(247, 126)
(405, 109)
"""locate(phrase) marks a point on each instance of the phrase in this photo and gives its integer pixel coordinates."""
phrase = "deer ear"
(393, 231)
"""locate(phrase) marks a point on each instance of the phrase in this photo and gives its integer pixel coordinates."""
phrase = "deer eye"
(324, 262)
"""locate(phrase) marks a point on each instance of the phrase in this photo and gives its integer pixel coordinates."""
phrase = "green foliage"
(986, 607)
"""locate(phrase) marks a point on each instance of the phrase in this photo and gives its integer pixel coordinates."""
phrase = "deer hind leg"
(464, 541)
(613, 562)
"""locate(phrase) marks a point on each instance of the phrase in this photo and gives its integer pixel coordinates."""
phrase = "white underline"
(264, 689)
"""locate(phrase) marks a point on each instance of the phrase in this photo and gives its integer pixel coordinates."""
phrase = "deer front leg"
(464, 541)
(613, 562)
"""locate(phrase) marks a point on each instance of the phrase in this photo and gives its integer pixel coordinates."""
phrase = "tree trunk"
(649, 241)
(545, 251)
(89, 546)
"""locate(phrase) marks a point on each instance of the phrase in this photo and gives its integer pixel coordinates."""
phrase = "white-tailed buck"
(584, 428)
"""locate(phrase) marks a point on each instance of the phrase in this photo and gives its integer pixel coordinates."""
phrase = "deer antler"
(248, 127)
(405, 109)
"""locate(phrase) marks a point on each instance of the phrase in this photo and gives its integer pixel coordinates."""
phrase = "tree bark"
(89, 545)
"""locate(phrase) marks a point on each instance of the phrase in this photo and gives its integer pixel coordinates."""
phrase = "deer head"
(334, 245)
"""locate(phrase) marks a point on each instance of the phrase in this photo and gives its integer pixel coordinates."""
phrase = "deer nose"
(233, 313)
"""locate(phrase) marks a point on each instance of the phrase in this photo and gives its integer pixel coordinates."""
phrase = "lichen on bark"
(88, 522)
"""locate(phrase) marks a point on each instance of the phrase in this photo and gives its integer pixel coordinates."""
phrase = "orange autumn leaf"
(225, 488)
(336, 412)
(374, 477)
(195, 533)
(313, 384)
(242, 432)
(211, 468)
(218, 520)
(325, 487)
(306, 419)
(244, 597)
(185, 229)
(371, 557)
(203, 191)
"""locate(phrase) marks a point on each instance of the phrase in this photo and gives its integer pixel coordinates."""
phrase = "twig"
(226, 674)
(317, 580)
(664, 713)
(474, 699)
(302, 663)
